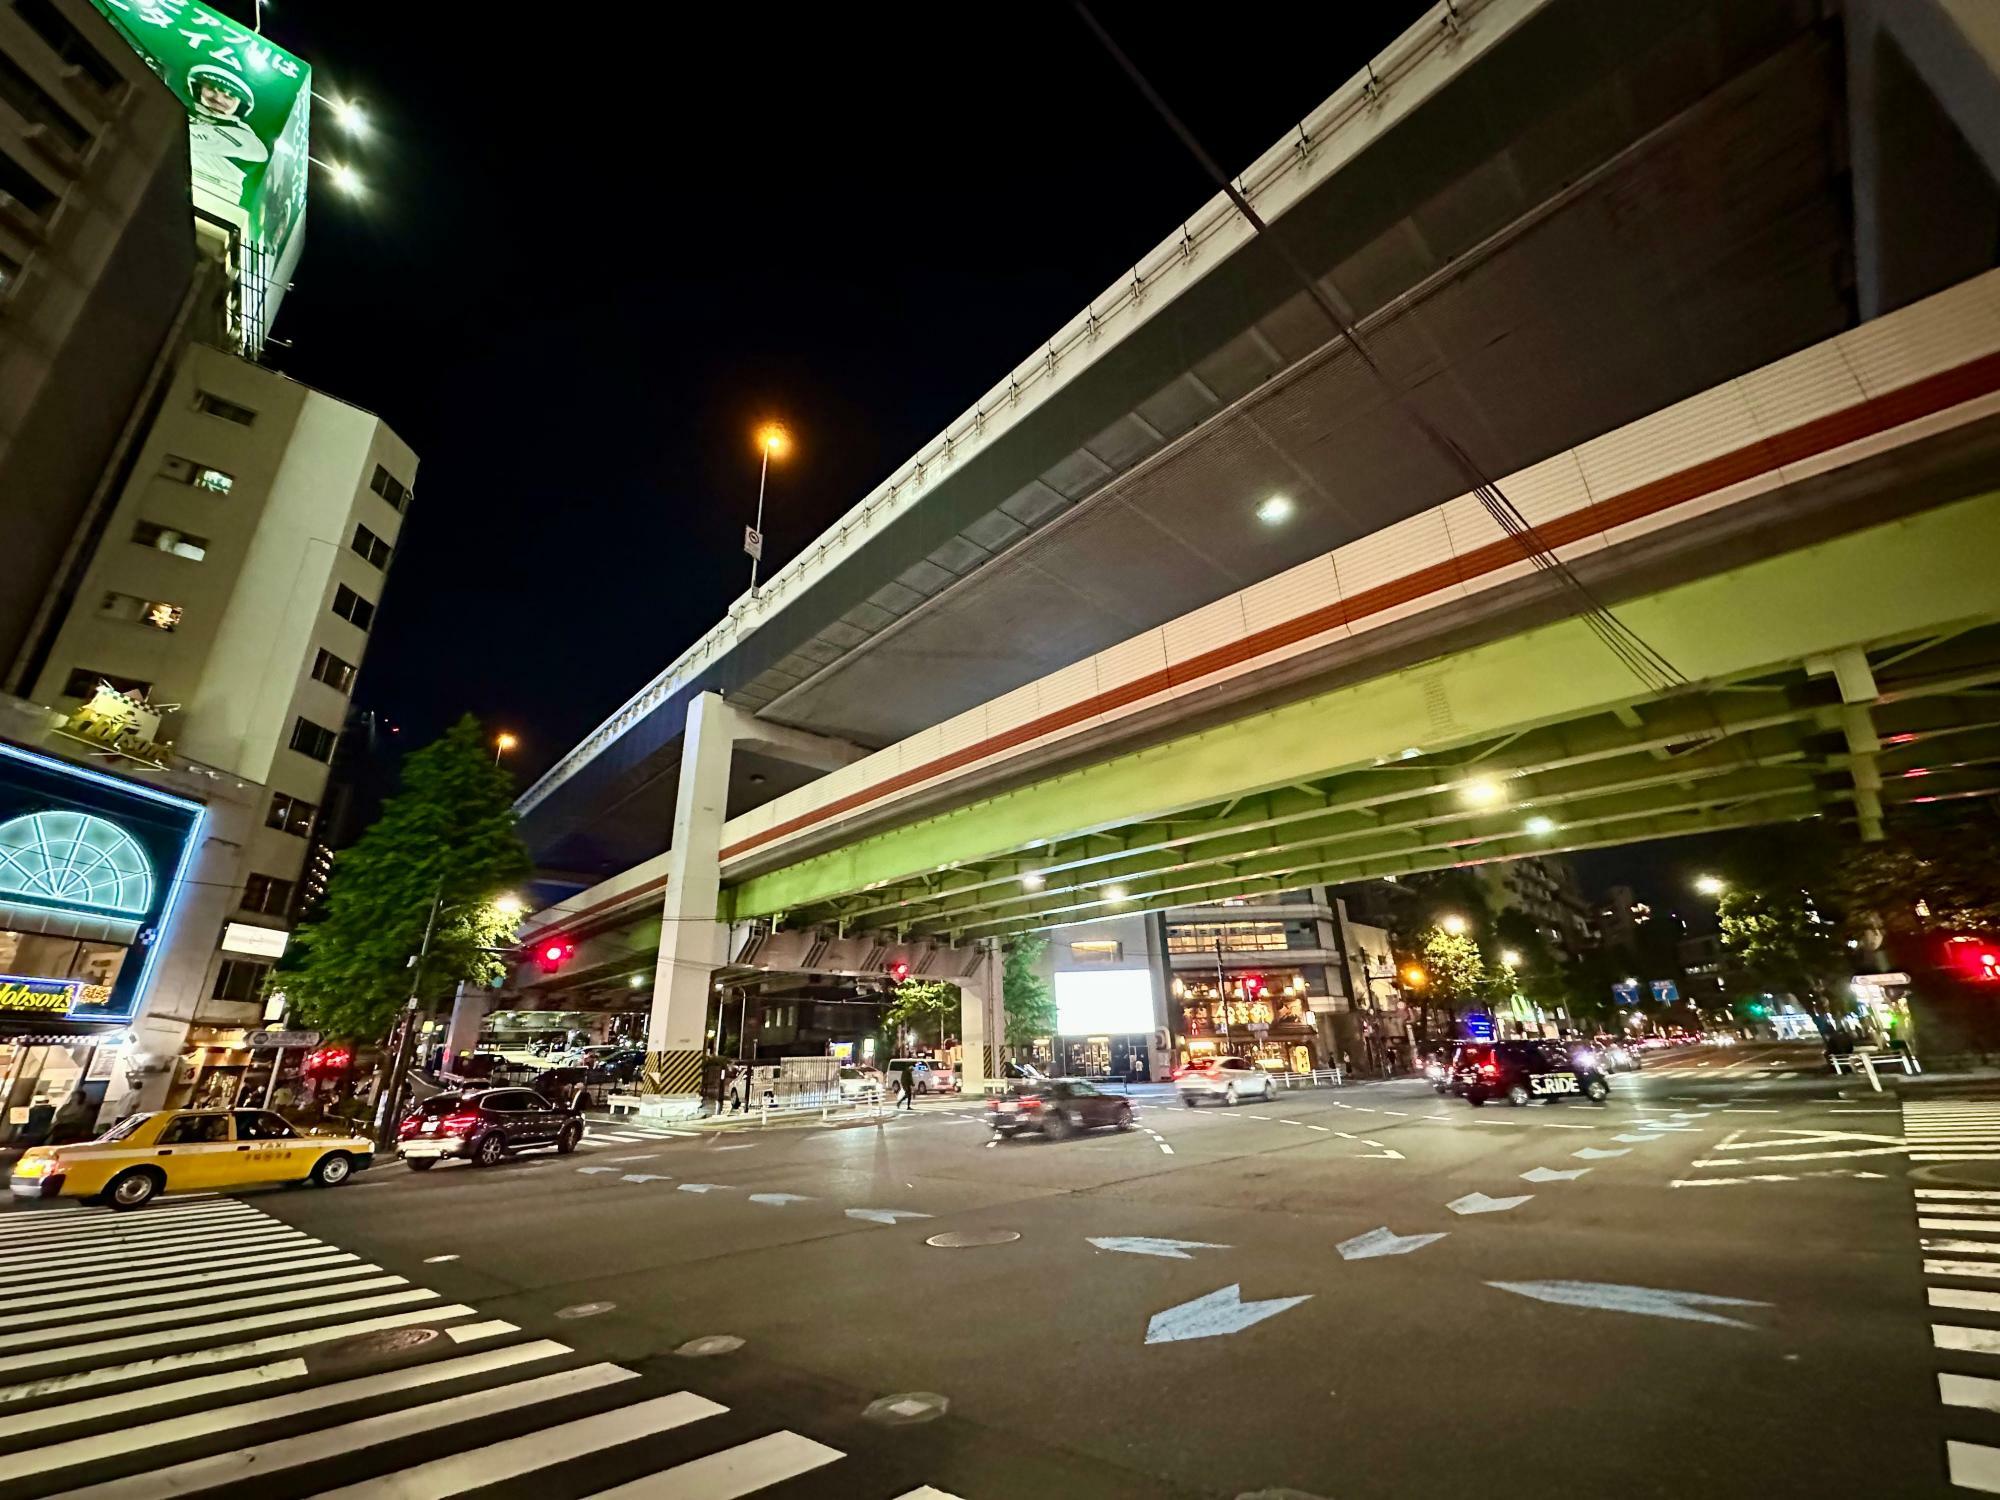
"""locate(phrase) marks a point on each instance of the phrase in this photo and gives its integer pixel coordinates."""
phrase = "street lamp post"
(388, 1108)
(772, 441)
(502, 744)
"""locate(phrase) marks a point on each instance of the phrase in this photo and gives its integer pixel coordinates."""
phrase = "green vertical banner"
(249, 107)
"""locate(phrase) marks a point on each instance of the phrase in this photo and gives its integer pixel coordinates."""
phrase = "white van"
(926, 1075)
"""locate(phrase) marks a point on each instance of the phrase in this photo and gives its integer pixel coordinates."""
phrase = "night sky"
(600, 245)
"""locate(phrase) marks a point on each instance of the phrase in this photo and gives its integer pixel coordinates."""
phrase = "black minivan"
(1522, 1071)
(483, 1126)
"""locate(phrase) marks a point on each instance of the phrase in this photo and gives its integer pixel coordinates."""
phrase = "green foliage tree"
(1952, 868)
(1455, 971)
(1783, 940)
(918, 1001)
(1030, 999)
(446, 837)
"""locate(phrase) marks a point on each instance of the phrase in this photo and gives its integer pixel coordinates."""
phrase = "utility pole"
(1221, 994)
(388, 1107)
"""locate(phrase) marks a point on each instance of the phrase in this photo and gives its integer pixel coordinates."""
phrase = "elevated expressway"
(1809, 547)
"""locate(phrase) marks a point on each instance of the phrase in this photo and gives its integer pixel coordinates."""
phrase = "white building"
(234, 588)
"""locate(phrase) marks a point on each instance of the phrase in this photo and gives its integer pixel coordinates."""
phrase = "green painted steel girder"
(1916, 578)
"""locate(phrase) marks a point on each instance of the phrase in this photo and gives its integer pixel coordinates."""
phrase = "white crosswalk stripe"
(1962, 1130)
(202, 1344)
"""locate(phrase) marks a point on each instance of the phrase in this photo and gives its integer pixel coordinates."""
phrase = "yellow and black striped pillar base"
(671, 1073)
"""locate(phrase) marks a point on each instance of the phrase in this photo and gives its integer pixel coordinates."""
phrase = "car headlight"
(33, 1166)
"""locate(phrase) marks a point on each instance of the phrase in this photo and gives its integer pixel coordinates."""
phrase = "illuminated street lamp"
(345, 178)
(509, 905)
(502, 743)
(347, 114)
(1415, 977)
(1453, 924)
(1510, 958)
(773, 441)
(1710, 885)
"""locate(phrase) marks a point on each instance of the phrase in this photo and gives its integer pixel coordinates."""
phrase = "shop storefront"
(1266, 1018)
(90, 871)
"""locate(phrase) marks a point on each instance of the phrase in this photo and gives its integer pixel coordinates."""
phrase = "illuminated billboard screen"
(91, 867)
(1103, 1002)
(249, 106)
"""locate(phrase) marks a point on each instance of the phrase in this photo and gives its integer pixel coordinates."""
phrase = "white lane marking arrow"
(1383, 1241)
(1549, 1174)
(1647, 1301)
(593, 1171)
(1595, 1153)
(1385, 1155)
(779, 1200)
(1218, 1313)
(645, 1177)
(1635, 1139)
(1479, 1203)
(704, 1187)
(884, 1215)
(1145, 1244)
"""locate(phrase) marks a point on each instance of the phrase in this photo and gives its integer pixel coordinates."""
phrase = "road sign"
(259, 1040)
(1666, 992)
(753, 542)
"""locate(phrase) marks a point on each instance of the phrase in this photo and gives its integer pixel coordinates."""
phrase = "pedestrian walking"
(735, 1088)
(906, 1087)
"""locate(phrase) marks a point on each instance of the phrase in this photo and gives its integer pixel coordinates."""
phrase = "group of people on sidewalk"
(738, 1088)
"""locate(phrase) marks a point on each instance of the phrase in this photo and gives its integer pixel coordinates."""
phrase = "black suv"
(1521, 1071)
(484, 1125)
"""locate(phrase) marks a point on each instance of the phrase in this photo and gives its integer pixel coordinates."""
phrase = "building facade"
(1545, 889)
(1110, 978)
(1264, 979)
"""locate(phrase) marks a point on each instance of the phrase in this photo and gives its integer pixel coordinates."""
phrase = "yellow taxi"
(188, 1150)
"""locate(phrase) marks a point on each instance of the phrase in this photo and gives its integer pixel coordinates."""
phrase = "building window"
(36, 196)
(170, 539)
(82, 683)
(290, 814)
(157, 613)
(1096, 951)
(1236, 937)
(201, 476)
(38, 106)
(69, 44)
(315, 740)
(390, 488)
(229, 411)
(332, 671)
(239, 979)
(351, 607)
(371, 547)
(267, 894)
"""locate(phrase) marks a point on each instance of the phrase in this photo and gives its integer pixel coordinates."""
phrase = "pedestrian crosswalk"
(1959, 1235)
(203, 1343)
(1952, 1129)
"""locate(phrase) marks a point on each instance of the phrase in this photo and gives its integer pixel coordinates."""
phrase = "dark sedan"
(1057, 1107)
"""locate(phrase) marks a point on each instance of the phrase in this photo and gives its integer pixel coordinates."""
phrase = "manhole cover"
(714, 1343)
(907, 1409)
(965, 1239)
(369, 1348)
(585, 1309)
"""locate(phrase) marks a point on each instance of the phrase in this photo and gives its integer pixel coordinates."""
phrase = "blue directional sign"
(1625, 994)
(1479, 1026)
(1666, 992)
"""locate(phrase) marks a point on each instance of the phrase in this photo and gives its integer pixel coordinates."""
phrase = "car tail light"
(1489, 1069)
(993, 1104)
(1031, 1102)
(461, 1122)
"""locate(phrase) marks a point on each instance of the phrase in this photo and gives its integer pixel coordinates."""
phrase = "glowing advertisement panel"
(77, 842)
(1103, 1002)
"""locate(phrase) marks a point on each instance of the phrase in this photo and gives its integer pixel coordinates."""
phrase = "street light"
(1454, 924)
(344, 177)
(1415, 977)
(773, 441)
(1510, 958)
(502, 743)
(1482, 791)
(347, 114)
(1710, 885)
(509, 905)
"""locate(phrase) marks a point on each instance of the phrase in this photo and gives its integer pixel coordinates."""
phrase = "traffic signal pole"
(388, 1104)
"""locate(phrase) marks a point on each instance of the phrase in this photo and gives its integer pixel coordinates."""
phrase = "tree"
(1782, 940)
(917, 1000)
(1952, 869)
(1029, 998)
(445, 838)
(1454, 971)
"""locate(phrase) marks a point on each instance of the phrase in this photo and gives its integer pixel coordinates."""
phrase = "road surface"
(1738, 1278)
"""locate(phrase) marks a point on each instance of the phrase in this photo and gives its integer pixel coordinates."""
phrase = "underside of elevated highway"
(1841, 680)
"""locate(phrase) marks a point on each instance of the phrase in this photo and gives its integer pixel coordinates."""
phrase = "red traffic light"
(552, 953)
(1975, 957)
(899, 970)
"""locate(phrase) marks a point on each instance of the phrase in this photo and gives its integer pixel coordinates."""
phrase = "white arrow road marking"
(1595, 1153)
(1549, 1174)
(1635, 1139)
(884, 1215)
(705, 1187)
(1218, 1313)
(1647, 1301)
(593, 1171)
(1384, 1155)
(1145, 1244)
(645, 1177)
(622, 1160)
(1383, 1242)
(1479, 1203)
(779, 1200)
